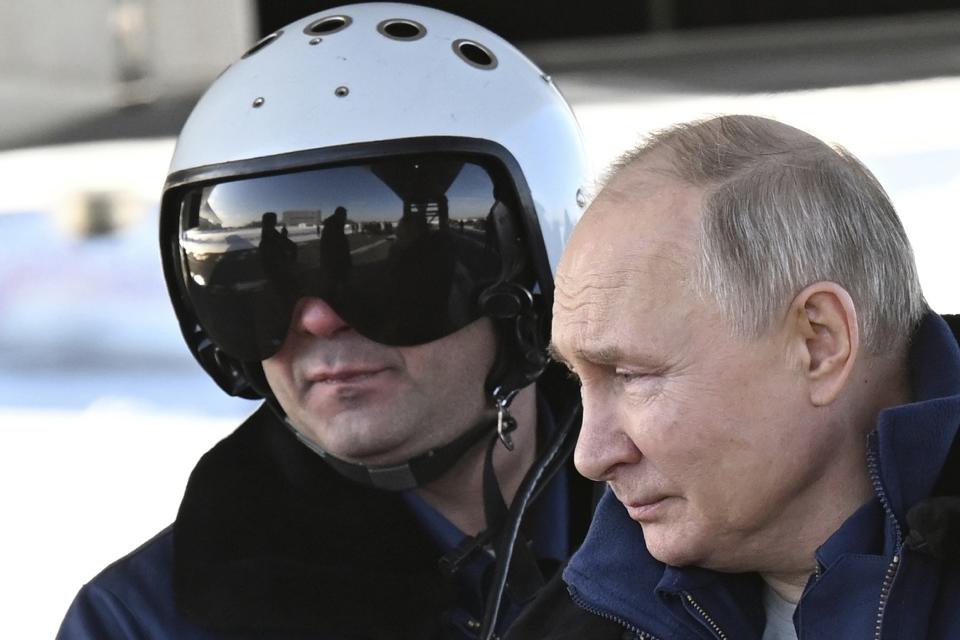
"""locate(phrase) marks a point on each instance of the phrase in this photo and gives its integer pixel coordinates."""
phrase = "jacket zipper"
(888, 579)
(706, 617)
(893, 567)
(639, 633)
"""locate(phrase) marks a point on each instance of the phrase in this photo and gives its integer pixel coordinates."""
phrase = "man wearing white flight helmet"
(359, 226)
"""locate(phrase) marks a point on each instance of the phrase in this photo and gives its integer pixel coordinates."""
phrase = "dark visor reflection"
(399, 248)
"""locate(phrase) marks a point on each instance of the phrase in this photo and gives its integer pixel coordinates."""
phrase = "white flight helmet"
(322, 109)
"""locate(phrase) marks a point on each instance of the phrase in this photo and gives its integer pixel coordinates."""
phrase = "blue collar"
(913, 440)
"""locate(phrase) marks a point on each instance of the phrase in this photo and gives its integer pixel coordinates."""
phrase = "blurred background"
(103, 413)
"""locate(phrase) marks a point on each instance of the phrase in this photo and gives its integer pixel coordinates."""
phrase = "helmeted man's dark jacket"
(271, 543)
(892, 570)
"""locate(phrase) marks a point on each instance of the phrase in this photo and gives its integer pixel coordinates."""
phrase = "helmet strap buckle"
(506, 423)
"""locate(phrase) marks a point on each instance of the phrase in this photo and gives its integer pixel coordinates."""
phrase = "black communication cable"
(536, 479)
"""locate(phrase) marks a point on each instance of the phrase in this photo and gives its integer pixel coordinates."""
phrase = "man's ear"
(828, 337)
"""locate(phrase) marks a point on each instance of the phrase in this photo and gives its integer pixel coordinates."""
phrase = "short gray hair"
(783, 210)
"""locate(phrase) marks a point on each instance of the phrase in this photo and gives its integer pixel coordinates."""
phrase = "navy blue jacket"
(869, 583)
(271, 543)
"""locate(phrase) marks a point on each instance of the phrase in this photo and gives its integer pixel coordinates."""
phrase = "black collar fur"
(269, 538)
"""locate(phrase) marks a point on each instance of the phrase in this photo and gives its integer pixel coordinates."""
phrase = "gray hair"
(783, 210)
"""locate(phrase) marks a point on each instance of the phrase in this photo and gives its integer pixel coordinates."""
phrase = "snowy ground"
(103, 413)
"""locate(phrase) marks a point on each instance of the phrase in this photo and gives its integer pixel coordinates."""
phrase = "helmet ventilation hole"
(475, 54)
(398, 29)
(328, 25)
(262, 43)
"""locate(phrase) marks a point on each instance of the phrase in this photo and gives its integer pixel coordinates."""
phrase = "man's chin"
(369, 457)
(353, 439)
(375, 454)
(668, 547)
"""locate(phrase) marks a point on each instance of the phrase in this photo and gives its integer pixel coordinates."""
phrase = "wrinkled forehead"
(631, 255)
(607, 278)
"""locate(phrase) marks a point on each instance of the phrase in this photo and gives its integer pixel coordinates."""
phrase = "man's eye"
(628, 375)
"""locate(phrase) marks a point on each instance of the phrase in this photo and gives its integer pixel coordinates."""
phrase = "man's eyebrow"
(609, 354)
(606, 355)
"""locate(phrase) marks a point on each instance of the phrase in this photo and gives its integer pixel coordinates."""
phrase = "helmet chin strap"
(421, 469)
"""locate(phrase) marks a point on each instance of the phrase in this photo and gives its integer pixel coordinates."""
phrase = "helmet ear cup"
(530, 340)
(521, 354)
(506, 300)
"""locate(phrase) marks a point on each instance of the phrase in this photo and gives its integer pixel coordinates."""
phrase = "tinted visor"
(401, 248)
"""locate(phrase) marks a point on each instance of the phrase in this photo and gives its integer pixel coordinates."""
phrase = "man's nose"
(315, 317)
(603, 443)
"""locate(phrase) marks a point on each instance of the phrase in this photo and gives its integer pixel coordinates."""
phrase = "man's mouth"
(345, 375)
(645, 508)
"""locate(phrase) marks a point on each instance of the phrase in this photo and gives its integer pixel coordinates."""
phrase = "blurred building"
(61, 60)
(554, 20)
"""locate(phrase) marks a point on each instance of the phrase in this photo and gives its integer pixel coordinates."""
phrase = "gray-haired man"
(765, 393)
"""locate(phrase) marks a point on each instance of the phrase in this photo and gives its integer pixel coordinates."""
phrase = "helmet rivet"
(316, 40)
(257, 103)
(581, 199)
(546, 78)
(341, 92)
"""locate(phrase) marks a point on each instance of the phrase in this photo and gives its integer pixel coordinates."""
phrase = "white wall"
(185, 44)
